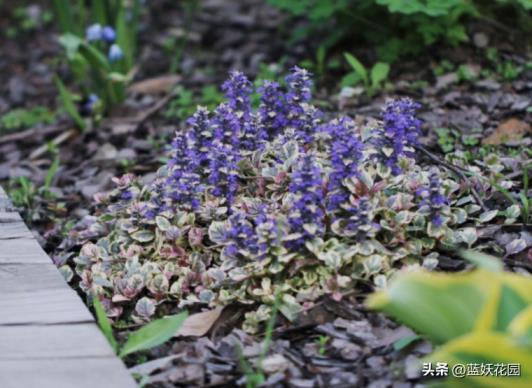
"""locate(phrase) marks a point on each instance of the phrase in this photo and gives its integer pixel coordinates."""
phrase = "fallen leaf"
(155, 85)
(149, 367)
(508, 132)
(197, 325)
(515, 246)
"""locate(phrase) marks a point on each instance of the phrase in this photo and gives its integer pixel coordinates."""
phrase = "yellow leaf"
(486, 348)
(522, 324)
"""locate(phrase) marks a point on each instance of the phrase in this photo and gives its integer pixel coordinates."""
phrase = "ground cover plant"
(276, 200)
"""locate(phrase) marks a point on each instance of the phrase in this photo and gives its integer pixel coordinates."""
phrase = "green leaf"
(95, 57)
(99, 13)
(351, 79)
(488, 216)
(379, 73)
(63, 14)
(405, 342)
(153, 334)
(217, 232)
(162, 223)
(125, 38)
(440, 306)
(357, 67)
(510, 305)
(68, 103)
(104, 323)
(70, 44)
(143, 235)
(51, 173)
(481, 260)
(488, 348)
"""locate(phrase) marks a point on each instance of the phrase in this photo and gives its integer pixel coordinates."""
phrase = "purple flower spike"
(301, 116)
(299, 85)
(401, 130)
(238, 90)
(345, 153)
(272, 109)
(307, 214)
(433, 198)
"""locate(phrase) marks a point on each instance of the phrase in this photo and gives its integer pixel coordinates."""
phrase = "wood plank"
(52, 341)
(48, 338)
(105, 372)
(22, 251)
(43, 307)
(9, 216)
(11, 230)
(5, 203)
(15, 278)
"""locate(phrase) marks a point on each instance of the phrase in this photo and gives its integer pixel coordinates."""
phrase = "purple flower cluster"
(358, 216)
(345, 154)
(243, 237)
(433, 198)
(272, 109)
(307, 215)
(400, 130)
(209, 150)
(238, 90)
(301, 116)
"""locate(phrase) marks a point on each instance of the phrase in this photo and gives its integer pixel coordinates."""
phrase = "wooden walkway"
(48, 337)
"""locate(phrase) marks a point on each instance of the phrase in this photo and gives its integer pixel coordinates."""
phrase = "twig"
(155, 108)
(133, 123)
(32, 132)
(56, 141)
(458, 171)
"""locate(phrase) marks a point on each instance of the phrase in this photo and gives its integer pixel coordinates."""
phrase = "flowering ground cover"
(268, 195)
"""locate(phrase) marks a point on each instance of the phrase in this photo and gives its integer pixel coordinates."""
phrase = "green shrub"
(396, 27)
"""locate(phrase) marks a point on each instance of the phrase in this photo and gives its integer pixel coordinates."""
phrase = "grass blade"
(153, 334)
(68, 103)
(104, 323)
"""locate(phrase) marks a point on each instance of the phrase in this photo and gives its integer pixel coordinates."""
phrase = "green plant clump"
(478, 319)
(17, 119)
(255, 203)
(99, 44)
(397, 28)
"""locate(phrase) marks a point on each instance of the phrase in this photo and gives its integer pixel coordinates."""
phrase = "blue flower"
(299, 86)
(345, 154)
(241, 236)
(90, 103)
(358, 215)
(307, 216)
(272, 109)
(108, 34)
(301, 116)
(94, 33)
(433, 198)
(238, 90)
(199, 137)
(400, 130)
(115, 53)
